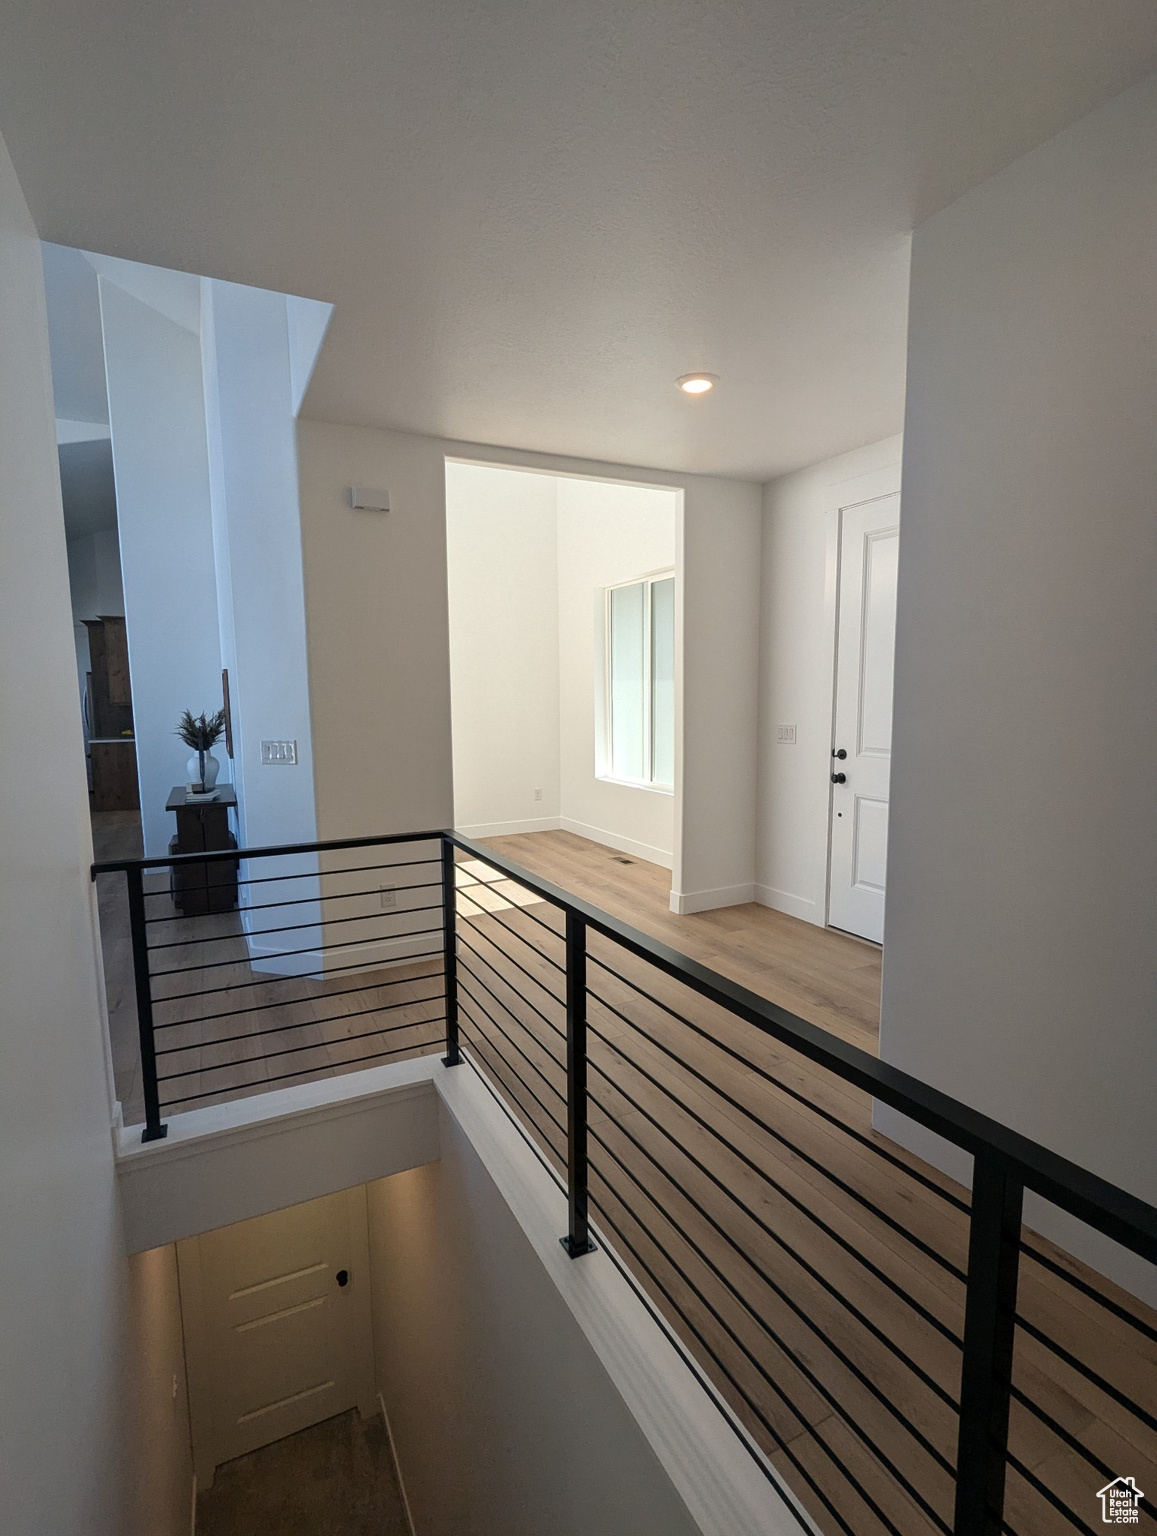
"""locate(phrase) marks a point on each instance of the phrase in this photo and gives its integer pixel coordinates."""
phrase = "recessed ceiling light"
(697, 383)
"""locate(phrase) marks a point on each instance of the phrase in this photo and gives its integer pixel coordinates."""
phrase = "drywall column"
(715, 741)
(257, 530)
(61, 1268)
(1022, 904)
(160, 462)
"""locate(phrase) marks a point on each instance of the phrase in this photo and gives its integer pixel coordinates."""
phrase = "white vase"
(212, 769)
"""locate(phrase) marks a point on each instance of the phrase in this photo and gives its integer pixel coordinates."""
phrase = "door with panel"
(862, 736)
(277, 1325)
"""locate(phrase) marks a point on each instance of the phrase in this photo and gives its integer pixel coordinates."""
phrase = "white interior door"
(862, 740)
(277, 1325)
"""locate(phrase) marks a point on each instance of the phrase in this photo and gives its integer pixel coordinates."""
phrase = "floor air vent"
(623, 861)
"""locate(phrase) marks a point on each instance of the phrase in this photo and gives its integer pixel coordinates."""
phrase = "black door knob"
(343, 1277)
(839, 752)
(839, 778)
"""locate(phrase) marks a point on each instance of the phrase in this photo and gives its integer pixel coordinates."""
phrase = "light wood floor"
(731, 1170)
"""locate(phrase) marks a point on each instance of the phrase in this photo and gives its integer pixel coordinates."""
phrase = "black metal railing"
(900, 1352)
(321, 958)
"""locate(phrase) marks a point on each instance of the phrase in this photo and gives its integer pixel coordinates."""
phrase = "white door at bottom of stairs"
(278, 1331)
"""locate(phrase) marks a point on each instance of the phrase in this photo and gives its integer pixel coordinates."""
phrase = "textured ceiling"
(531, 216)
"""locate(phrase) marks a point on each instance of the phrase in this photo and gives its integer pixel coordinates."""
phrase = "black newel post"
(154, 1130)
(453, 1056)
(989, 1327)
(578, 1240)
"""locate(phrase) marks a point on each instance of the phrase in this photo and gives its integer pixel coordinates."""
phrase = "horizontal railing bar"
(918, 1307)
(275, 851)
(1060, 1431)
(281, 1029)
(1102, 1205)
(889, 1221)
(770, 1077)
(288, 1050)
(482, 934)
(781, 1242)
(786, 1349)
(490, 884)
(481, 1041)
(314, 975)
(464, 895)
(295, 901)
(469, 948)
(753, 1407)
(1046, 1492)
(212, 1093)
(498, 1098)
(478, 1003)
(317, 922)
(1091, 1291)
(809, 1322)
(1087, 1372)
(310, 949)
(292, 1002)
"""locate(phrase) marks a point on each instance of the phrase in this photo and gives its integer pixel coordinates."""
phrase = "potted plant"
(202, 732)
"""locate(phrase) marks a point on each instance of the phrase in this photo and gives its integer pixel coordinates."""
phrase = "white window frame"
(605, 724)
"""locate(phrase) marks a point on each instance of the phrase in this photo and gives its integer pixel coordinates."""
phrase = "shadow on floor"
(333, 1479)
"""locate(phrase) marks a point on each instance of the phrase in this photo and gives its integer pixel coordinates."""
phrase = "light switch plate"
(786, 734)
(278, 752)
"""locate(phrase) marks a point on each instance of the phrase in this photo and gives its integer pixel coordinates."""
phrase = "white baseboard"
(510, 828)
(397, 1466)
(795, 906)
(686, 902)
(615, 840)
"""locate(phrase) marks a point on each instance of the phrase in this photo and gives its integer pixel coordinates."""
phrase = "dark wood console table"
(203, 827)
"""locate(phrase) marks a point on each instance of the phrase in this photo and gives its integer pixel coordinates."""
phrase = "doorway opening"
(565, 656)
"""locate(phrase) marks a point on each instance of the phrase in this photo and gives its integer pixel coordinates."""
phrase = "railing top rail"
(1113, 1211)
(162, 861)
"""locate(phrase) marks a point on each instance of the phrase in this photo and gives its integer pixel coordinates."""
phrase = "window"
(640, 685)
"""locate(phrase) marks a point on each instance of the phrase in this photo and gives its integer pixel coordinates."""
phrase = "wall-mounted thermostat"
(365, 499)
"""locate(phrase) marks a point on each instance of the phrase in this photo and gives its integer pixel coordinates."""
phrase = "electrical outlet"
(538, 794)
(786, 734)
(278, 752)
(389, 896)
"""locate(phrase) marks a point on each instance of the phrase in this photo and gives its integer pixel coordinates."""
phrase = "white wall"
(796, 668)
(376, 605)
(160, 460)
(502, 564)
(606, 534)
(157, 1451)
(505, 1422)
(1019, 966)
(61, 1269)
